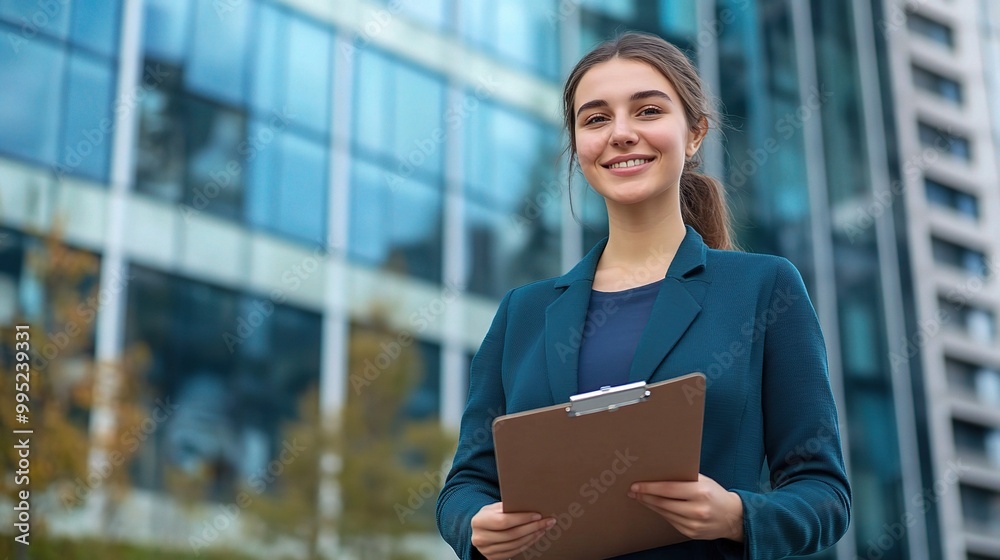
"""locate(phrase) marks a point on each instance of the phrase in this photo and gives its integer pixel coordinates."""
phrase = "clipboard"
(576, 461)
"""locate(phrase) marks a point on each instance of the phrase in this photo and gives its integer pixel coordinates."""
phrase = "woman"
(682, 301)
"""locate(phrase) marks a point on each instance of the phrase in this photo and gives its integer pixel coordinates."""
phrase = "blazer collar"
(676, 306)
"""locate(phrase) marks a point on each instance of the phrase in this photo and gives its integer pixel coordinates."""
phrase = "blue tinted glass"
(269, 71)
(528, 33)
(525, 147)
(418, 110)
(518, 144)
(160, 156)
(261, 150)
(88, 125)
(430, 12)
(476, 21)
(213, 136)
(302, 190)
(95, 25)
(967, 204)
(36, 17)
(29, 98)
(479, 149)
(960, 148)
(373, 93)
(309, 74)
(165, 28)
(395, 222)
(425, 398)
(218, 51)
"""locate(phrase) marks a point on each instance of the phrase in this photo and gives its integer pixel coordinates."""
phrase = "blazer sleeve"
(473, 481)
(808, 506)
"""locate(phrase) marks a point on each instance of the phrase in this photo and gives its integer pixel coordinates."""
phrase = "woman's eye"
(593, 119)
(655, 111)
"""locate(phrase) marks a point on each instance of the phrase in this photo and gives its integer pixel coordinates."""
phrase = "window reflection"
(189, 151)
(395, 222)
(940, 194)
(216, 62)
(235, 366)
(165, 29)
(237, 119)
(525, 32)
(513, 199)
(292, 72)
(30, 98)
(95, 25)
(88, 129)
(396, 199)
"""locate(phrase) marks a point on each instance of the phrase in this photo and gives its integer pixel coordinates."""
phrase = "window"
(931, 29)
(396, 223)
(977, 442)
(513, 199)
(942, 195)
(937, 84)
(974, 381)
(958, 256)
(524, 32)
(189, 150)
(981, 509)
(237, 368)
(59, 70)
(975, 322)
(945, 141)
(397, 174)
(241, 126)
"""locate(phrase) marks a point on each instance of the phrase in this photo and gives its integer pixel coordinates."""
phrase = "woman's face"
(627, 110)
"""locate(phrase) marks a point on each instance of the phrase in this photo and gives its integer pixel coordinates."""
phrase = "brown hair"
(703, 200)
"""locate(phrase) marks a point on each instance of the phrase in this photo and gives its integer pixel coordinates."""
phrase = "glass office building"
(259, 184)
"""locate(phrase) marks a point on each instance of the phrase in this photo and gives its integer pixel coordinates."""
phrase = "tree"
(60, 392)
(390, 466)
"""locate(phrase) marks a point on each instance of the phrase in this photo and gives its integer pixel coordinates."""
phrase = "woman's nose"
(623, 135)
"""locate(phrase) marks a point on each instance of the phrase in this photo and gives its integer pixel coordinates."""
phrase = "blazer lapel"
(564, 321)
(677, 304)
(675, 307)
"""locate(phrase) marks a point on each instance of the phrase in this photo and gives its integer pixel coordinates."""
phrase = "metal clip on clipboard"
(607, 399)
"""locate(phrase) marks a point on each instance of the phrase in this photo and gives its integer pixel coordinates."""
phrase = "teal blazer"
(745, 321)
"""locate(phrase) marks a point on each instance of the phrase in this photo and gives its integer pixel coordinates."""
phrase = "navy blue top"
(615, 321)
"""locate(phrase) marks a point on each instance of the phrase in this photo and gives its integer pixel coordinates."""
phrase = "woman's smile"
(628, 166)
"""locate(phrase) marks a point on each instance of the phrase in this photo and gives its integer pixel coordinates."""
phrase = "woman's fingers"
(512, 548)
(502, 535)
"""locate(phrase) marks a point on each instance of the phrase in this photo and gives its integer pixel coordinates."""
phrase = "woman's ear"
(695, 137)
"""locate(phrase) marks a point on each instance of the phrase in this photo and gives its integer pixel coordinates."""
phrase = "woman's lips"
(627, 171)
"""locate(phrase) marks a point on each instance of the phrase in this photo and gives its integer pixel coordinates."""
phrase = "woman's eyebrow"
(635, 97)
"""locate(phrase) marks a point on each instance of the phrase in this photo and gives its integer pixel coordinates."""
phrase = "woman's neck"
(641, 245)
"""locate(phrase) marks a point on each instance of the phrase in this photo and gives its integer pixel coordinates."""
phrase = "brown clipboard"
(576, 461)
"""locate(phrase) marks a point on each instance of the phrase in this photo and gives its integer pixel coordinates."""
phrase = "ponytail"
(703, 207)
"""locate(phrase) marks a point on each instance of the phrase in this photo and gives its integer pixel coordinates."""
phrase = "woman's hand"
(499, 536)
(700, 510)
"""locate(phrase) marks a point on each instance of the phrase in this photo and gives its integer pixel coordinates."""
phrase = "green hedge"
(92, 549)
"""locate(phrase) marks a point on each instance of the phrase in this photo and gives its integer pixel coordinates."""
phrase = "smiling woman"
(684, 301)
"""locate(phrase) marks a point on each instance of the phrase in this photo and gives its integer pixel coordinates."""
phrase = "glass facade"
(247, 158)
(56, 104)
(229, 127)
(234, 364)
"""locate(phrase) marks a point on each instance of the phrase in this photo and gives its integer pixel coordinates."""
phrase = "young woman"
(683, 300)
